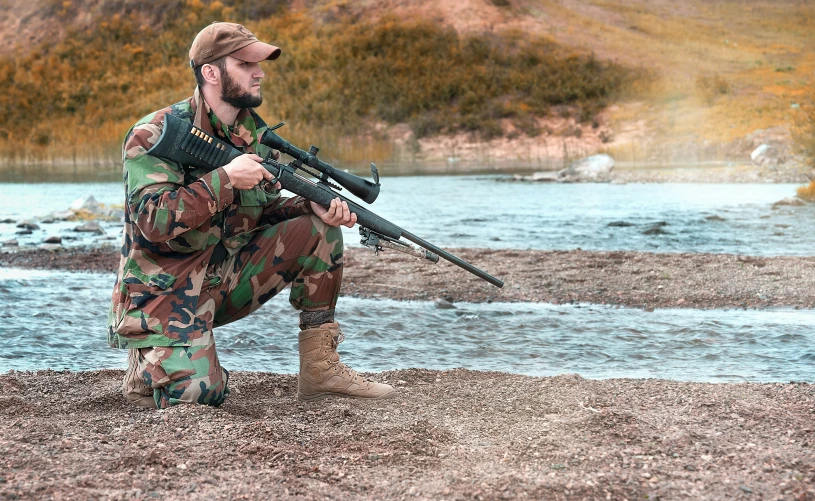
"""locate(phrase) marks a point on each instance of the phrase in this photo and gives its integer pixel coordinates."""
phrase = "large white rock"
(87, 203)
(764, 154)
(593, 168)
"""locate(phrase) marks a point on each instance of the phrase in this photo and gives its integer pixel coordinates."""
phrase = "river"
(57, 319)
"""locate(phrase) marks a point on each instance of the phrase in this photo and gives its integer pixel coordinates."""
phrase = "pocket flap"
(161, 280)
(253, 198)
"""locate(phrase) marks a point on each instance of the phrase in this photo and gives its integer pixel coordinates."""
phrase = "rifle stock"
(183, 143)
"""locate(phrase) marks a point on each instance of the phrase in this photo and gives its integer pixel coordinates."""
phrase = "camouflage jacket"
(174, 217)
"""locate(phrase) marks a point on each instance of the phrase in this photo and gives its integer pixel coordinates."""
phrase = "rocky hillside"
(515, 82)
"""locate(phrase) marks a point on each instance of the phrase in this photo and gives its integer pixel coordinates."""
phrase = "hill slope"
(718, 72)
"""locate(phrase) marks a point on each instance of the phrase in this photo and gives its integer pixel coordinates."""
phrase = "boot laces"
(341, 367)
(336, 340)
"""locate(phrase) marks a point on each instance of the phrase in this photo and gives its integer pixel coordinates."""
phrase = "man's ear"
(211, 74)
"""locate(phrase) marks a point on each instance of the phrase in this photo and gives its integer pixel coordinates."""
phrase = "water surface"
(57, 320)
(482, 211)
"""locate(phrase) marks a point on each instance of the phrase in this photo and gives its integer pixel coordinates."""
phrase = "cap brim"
(256, 52)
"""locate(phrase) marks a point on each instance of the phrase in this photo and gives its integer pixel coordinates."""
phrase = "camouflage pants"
(303, 251)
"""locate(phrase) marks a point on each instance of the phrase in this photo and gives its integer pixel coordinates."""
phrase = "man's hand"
(337, 213)
(245, 172)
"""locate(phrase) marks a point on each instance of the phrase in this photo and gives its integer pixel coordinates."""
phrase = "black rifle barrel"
(453, 259)
(323, 195)
(181, 142)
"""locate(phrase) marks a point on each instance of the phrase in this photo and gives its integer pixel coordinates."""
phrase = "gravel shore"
(631, 279)
(446, 435)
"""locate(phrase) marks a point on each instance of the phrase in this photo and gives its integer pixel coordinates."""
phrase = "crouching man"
(202, 248)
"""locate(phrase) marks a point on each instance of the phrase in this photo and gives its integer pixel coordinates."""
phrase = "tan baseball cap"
(229, 39)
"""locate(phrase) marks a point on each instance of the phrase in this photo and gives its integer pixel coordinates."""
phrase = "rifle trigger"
(269, 186)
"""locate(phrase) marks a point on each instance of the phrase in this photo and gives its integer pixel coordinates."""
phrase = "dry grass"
(338, 80)
(760, 50)
(721, 69)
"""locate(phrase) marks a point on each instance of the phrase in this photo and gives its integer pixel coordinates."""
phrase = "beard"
(232, 94)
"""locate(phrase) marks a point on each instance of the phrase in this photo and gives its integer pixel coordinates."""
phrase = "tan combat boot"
(323, 375)
(133, 388)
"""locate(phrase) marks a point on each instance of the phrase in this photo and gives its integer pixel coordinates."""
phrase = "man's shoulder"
(182, 109)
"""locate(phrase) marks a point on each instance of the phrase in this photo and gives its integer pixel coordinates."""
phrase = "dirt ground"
(631, 279)
(447, 435)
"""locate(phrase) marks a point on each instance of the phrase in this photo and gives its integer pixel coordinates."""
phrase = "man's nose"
(259, 73)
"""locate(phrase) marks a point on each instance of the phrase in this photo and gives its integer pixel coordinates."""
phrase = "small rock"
(791, 201)
(23, 232)
(7, 221)
(746, 489)
(89, 227)
(619, 224)
(655, 230)
(28, 225)
(47, 220)
(680, 301)
(115, 215)
(11, 243)
(543, 177)
(443, 304)
(715, 218)
(53, 240)
(64, 215)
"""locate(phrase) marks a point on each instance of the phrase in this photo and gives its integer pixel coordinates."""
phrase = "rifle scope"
(359, 187)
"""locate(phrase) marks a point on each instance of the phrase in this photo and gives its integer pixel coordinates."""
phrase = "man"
(204, 248)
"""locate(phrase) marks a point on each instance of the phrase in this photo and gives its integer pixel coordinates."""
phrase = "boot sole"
(322, 396)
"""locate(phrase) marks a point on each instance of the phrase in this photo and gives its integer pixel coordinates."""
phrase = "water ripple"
(535, 339)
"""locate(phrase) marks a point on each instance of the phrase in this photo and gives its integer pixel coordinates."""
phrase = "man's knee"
(311, 224)
(184, 374)
(210, 389)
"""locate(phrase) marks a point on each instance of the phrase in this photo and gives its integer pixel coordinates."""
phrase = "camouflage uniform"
(168, 296)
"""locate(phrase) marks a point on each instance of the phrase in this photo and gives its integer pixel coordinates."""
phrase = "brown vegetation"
(721, 72)
(338, 75)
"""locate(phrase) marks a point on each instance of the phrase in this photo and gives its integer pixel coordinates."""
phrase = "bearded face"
(236, 95)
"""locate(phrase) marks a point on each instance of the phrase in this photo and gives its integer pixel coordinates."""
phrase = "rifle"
(182, 142)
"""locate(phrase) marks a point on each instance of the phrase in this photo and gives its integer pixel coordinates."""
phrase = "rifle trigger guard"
(268, 185)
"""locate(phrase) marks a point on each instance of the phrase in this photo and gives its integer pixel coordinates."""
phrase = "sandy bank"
(447, 435)
(633, 279)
